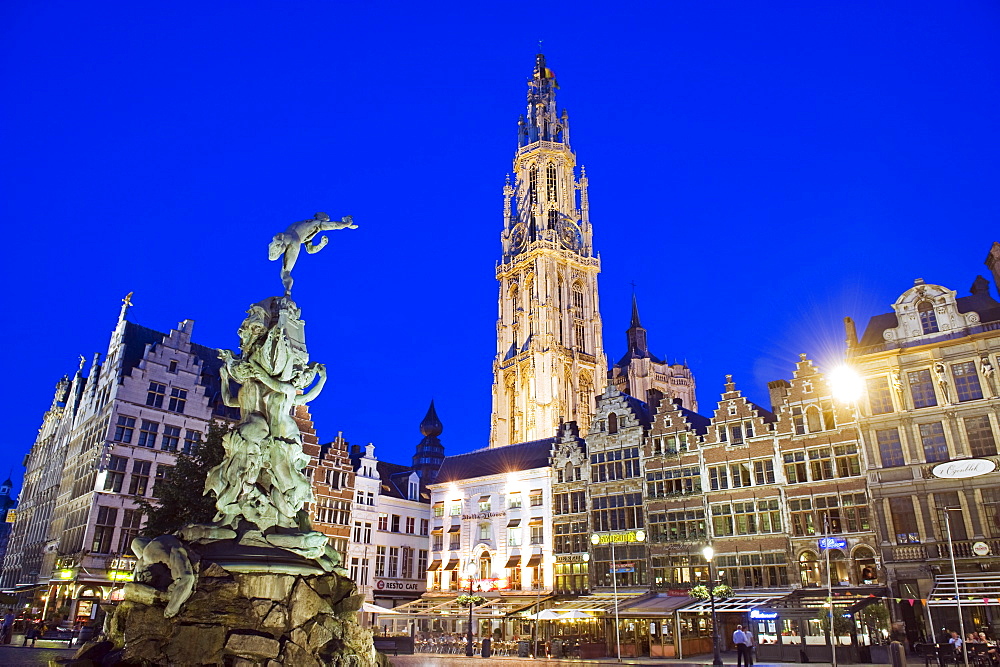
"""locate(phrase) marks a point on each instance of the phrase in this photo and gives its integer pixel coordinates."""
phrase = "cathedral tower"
(550, 357)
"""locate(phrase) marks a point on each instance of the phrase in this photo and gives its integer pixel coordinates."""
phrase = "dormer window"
(928, 320)
(414, 491)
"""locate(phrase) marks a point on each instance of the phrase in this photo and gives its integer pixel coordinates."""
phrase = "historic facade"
(389, 550)
(550, 355)
(932, 397)
(102, 446)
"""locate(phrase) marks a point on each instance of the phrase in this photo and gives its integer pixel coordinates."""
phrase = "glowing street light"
(470, 572)
(845, 383)
(709, 553)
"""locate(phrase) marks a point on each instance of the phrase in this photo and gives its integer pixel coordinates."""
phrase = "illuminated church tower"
(550, 357)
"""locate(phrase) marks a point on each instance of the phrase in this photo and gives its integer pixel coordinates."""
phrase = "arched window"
(612, 423)
(553, 219)
(928, 320)
(809, 569)
(578, 296)
(812, 418)
(485, 566)
(533, 185)
(550, 181)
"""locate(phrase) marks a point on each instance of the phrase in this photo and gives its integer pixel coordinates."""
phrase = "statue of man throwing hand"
(299, 234)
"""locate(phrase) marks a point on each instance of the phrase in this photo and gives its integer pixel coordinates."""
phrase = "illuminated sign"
(572, 558)
(11, 515)
(763, 614)
(963, 469)
(120, 575)
(608, 538)
(487, 584)
(484, 515)
(389, 585)
(65, 574)
(621, 568)
(832, 543)
(981, 549)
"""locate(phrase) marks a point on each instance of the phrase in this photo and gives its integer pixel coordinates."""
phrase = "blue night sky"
(760, 170)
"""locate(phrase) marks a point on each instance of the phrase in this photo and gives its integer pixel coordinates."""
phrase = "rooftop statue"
(302, 234)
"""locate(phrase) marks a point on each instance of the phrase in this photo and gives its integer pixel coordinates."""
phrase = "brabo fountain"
(257, 586)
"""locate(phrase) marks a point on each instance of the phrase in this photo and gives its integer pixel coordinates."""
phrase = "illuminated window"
(550, 182)
(140, 478)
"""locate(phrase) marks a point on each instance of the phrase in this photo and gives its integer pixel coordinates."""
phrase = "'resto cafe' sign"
(963, 468)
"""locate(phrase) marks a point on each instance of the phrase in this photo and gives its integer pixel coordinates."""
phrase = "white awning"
(974, 589)
(736, 603)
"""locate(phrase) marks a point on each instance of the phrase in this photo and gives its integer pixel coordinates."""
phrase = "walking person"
(744, 646)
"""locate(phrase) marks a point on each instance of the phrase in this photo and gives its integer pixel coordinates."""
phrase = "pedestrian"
(7, 631)
(744, 646)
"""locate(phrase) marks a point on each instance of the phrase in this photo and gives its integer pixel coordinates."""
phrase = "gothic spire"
(430, 452)
(543, 122)
(636, 334)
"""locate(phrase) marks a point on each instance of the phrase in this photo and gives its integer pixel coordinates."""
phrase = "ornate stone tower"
(550, 355)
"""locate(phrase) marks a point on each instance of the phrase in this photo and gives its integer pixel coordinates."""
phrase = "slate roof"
(134, 342)
(495, 461)
(699, 423)
(982, 303)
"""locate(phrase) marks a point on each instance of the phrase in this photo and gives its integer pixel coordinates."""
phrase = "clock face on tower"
(517, 236)
(569, 235)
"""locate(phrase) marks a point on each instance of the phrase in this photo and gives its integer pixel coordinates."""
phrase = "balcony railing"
(937, 550)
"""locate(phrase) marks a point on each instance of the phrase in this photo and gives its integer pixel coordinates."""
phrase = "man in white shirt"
(743, 643)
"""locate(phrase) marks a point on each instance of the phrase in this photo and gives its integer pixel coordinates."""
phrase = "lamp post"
(709, 554)
(470, 572)
(829, 592)
(632, 536)
(954, 574)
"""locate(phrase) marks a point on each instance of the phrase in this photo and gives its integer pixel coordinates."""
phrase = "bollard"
(487, 648)
(897, 654)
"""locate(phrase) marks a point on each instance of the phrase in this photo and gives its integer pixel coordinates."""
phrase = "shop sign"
(963, 469)
(484, 515)
(832, 543)
(120, 575)
(487, 584)
(763, 614)
(390, 585)
(630, 536)
(981, 549)
(621, 568)
(123, 563)
(572, 558)
(11, 515)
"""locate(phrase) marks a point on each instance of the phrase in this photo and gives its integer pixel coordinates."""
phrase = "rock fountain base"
(237, 619)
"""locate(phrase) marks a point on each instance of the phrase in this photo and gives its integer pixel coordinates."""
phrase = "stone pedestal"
(236, 618)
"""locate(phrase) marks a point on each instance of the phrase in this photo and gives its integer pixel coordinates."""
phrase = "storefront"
(694, 622)
(795, 627)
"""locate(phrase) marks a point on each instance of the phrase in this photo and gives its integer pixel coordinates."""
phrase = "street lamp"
(470, 572)
(954, 574)
(709, 554)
